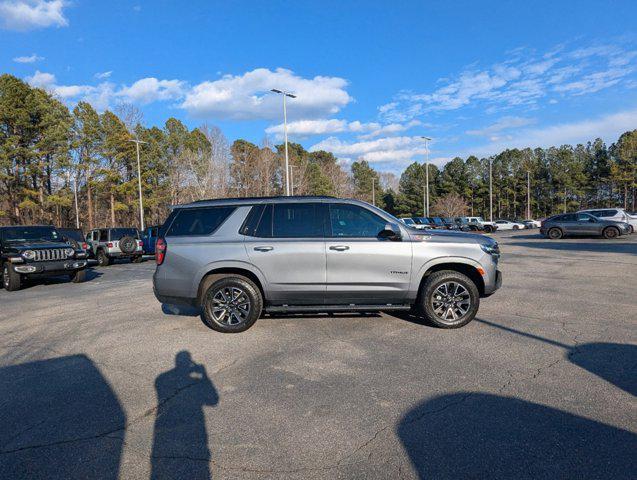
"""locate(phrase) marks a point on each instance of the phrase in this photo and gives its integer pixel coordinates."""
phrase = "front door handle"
(263, 249)
(339, 248)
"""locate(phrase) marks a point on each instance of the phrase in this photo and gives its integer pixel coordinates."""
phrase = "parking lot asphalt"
(99, 380)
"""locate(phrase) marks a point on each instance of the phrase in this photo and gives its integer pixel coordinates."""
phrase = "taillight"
(160, 251)
(140, 243)
(85, 246)
(109, 245)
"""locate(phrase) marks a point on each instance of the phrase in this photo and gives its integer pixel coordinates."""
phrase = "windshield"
(23, 234)
(118, 233)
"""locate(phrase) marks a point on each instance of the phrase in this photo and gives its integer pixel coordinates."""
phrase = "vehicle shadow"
(60, 419)
(602, 246)
(91, 274)
(614, 362)
(180, 441)
(181, 310)
(477, 435)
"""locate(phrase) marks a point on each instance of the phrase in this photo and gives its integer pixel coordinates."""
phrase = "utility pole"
(285, 134)
(490, 189)
(528, 194)
(139, 183)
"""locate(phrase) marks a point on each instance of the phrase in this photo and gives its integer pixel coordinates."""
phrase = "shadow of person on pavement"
(477, 435)
(60, 419)
(180, 440)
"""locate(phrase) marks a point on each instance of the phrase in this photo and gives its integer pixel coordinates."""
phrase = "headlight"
(69, 252)
(28, 254)
(492, 249)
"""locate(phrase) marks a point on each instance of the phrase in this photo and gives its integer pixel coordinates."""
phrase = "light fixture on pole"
(426, 193)
(136, 141)
(285, 134)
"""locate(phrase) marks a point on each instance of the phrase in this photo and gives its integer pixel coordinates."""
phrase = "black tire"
(79, 276)
(433, 304)
(488, 229)
(11, 280)
(103, 260)
(127, 244)
(554, 233)
(631, 229)
(236, 289)
(515, 227)
(611, 232)
(137, 259)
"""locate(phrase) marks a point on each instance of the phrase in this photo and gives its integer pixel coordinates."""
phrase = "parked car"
(509, 225)
(582, 224)
(529, 223)
(408, 221)
(437, 222)
(235, 258)
(423, 222)
(36, 251)
(486, 227)
(107, 244)
(74, 237)
(149, 238)
(464, 225)
(615, 215)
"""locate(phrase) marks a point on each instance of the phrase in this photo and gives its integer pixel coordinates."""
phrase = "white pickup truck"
(487, 227)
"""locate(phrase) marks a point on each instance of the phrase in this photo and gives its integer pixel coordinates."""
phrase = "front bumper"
(491, 287)
(50, 268)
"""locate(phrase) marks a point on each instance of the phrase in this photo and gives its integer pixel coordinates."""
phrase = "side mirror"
(390, 232)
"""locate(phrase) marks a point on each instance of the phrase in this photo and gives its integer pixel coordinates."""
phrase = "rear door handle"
(263, 249)
(339, 248)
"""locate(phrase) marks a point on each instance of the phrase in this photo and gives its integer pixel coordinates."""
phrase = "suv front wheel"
(231, 304)
(449, 299)
(11, 280)
(102, 259)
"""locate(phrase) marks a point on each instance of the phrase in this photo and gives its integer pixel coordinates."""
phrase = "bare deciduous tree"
(451, 205)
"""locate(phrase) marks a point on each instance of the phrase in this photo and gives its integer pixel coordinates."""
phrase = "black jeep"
(35, 251)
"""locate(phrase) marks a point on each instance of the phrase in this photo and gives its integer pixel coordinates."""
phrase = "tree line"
(50, 155)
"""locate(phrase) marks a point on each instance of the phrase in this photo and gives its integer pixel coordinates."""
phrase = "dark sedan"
(582, 224)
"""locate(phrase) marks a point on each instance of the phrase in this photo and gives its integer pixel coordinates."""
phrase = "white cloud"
(389, 129)
(522, 79)
(28, 59)
(396, 150)
(149, 90)
(308, 128)
(25, 15)
(103, 75)
(607, 127)
(248, 96)
(504, 123)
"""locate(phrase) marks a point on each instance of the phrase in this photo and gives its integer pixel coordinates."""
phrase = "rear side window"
(251, 222)
(198, 221)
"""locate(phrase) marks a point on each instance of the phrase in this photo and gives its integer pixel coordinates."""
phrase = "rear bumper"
(50, 268)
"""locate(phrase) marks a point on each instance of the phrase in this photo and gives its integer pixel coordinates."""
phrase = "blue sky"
(371, 77)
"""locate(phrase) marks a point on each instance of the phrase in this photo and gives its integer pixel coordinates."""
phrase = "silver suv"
(107, 244)
(236, 258)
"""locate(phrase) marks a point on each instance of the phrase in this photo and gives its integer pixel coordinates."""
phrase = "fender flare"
(209, 267)
(418, 276)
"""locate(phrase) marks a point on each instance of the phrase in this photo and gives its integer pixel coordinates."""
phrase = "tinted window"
(265, 223)
(118, 233)
(103, 235)
(609, 213)
(73, 234)
(296, 220)
(584, 217)
(354, 221)
(198, 221)
(251, 222)
(569, 217)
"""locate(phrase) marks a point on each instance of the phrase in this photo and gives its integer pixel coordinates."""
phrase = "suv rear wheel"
(488, 229)
(11, 280)
(611, 232)
(555, 234)
(449, 299)
(102, 259)
(231, 304)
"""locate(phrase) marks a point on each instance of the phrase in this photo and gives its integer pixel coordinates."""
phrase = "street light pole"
(285, 134)
(139, 183)
(490, 190)
(426, 199)
(528, 194)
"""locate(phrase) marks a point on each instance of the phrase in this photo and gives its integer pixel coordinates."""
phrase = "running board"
(334, 308)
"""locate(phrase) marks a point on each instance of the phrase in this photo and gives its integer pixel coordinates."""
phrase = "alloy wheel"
(450, 301)
(230, 306)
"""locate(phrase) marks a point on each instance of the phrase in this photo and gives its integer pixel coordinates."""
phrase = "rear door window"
(296, 220)
(198, 221)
